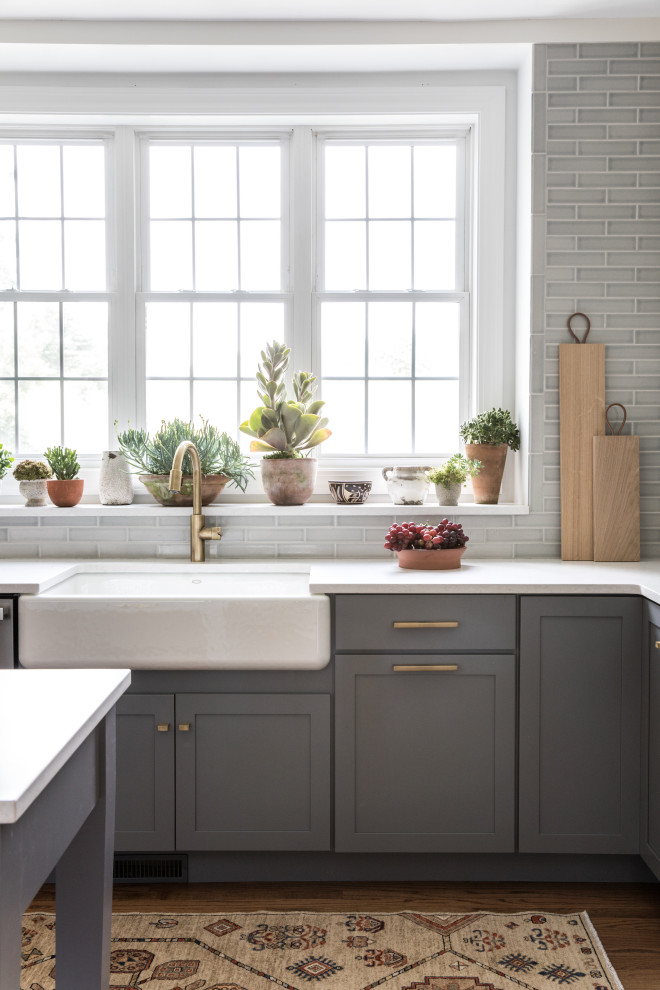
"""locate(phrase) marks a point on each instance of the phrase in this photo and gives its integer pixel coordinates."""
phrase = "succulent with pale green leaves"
(63, 463)
(283, 427)
(6, 460)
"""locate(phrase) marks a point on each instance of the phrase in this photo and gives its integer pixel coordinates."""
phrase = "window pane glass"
(38, 416)
(216, 255)
(215, 339)
(435, 181)
(345, 410)
(170, 181)
(345, 255)
(40, 246)
(38, 169)
(7, 189)
(260, 323)
(342, 339)
(437, 339)
(260, 255)
(168, 339)
(390, 339)
(6, 339)
(7, 416)
(345, 182)
(247, 402)
(259, 181)
(84, 180)
(171, 255)
(216, 401)
(38, 339)
(7, 254)
(167, 400)
(84, 255)
(85, 327)
(389, 254)
(389, 181)
(435, 254)
(215, 181)
(390, 417)
(86, 416)
(436, 417)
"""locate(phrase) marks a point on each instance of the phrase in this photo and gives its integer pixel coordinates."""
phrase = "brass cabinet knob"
(163, 727)
(184, 726)
(657, 644)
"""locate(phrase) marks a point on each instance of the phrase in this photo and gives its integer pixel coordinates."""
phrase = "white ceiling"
(323, 10)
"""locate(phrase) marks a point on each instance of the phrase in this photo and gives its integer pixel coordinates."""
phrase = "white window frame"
(124, 111)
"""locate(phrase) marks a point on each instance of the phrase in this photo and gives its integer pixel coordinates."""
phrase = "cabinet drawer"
(425, 622)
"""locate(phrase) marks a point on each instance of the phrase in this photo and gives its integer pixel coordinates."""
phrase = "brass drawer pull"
(398, 667)
(163, 726)
(184, 726)
(425, 625)
(657, 644)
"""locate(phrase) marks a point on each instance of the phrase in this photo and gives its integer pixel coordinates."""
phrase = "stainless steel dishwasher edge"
(8, 616)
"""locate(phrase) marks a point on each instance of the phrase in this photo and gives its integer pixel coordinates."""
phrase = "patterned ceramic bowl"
(349, 492)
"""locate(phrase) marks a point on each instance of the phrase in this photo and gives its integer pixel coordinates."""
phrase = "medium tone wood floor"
(626, 916)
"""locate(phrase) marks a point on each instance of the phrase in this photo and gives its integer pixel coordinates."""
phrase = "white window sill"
(256, 509)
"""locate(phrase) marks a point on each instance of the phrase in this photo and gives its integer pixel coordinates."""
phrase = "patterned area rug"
(299, 951)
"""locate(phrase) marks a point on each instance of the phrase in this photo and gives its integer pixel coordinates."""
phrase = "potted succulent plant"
(423, 546)
(284, 428)
(450, 477)
(220, 457)
(66, 488)
(6, 460)
(487, 438)
(32, 476)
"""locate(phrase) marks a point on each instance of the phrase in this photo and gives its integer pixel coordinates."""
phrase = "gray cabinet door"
(425, 759)
(579, 724)
(253, 772)
(145, 773)
(651, 763)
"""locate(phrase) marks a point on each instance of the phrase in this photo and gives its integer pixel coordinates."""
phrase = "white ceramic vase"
(115, 483)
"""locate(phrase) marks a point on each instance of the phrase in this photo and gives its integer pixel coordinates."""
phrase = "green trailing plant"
(218, 453)
(492, 427)
(63, 463)
(32, 471)
(456, 470)
(6, 460)
(284, 427)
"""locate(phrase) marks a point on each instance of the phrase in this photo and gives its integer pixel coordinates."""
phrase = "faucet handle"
(211, 533)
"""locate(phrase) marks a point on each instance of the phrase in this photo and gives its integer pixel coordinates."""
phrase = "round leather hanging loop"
(623, 421)
(572, 332)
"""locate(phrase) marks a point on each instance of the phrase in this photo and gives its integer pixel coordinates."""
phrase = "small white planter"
(448, 494)
(34, 492)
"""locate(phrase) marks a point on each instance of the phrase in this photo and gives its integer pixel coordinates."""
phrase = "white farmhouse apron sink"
(143, 615)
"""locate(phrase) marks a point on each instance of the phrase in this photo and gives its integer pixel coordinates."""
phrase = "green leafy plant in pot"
(487, 438)
(66, 489)
(220, 459)
(6, 461)
(31, 477)
(450, 477)
(285, 430)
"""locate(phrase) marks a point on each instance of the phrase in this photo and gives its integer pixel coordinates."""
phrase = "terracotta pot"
(448, 494)
(34, 492)
(288, 480)
(158, 485)
(431, 560)
(65, 493)
(486, 485)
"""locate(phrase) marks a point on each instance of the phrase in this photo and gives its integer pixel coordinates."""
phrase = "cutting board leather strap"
(623, 421)
(572, 332)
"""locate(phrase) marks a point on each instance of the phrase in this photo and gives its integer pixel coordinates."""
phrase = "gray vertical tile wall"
(595, 249)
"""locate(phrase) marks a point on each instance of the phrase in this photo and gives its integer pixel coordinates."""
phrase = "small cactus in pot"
(66, 489)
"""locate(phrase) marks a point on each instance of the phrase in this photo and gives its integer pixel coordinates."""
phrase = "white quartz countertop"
(44, 717)
(479, 577)
(29, 577)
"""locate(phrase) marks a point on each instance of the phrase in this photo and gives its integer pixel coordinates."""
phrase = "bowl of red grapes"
(427, 546)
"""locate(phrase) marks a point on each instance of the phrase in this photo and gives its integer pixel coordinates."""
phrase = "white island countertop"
(488, 577)
(44, 716)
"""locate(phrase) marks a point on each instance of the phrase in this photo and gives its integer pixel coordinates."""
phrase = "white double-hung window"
(143, 271)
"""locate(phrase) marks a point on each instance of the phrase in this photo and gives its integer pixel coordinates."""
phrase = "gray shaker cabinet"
(650, 834)
(253, 772)
(145, 773)
(579, 724)
(425, 758)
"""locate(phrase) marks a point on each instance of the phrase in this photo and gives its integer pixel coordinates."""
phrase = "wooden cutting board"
(616, 495)
(581, 418)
